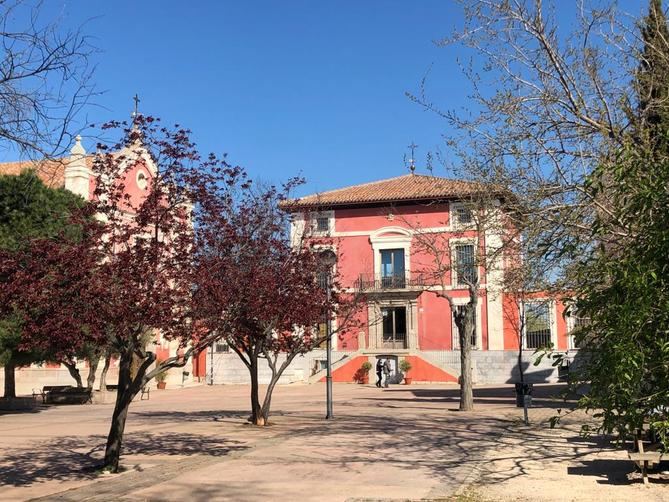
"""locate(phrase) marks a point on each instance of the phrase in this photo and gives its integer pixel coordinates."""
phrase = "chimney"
(77, 174)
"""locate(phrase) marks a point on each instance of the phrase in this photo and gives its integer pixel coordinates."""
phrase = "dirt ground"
(401, 443)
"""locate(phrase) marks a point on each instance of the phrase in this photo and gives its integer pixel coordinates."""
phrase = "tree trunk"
(466, 390)
(92, 368)
(465, 331)
(276, 375)
(256, 411)
(74, 372)
(115, 437)
(103, 375)
(10, 381)
(521, 329)
(127, 389)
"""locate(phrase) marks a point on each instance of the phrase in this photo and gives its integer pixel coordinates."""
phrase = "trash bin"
(523, 390)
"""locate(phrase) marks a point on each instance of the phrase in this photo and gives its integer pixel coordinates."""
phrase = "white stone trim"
(409, 231)
(381, 242)
(313, 217)
(552, 319)
(458, 241)
(375, 322)
(455, 225)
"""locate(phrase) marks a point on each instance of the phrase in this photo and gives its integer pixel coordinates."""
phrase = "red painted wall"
(422, 371)
(434, 323)
(200, 364)
(512, 323)
(346, 372)
(354, 257)
(370, 219)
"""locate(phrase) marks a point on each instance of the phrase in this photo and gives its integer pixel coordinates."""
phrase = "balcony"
(377, 282)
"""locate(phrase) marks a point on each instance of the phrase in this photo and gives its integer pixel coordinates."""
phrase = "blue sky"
(284, 87)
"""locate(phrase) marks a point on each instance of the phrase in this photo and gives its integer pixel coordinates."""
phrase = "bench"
(72, 395)
(645, 458)
(47, 389)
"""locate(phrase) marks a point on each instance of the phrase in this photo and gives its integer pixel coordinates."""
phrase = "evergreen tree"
(623, 288)
(28, 210)
(652, 78)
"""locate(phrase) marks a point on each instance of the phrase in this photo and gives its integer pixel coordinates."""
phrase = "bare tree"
(548, 107)
(470, 257)
(45, 79)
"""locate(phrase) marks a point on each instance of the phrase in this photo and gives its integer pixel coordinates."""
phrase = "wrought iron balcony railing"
(372, 282)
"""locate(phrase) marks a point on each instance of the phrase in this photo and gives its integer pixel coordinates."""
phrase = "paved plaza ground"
(401, 443)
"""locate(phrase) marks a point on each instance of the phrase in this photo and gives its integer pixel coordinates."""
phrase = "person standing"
(386, 372)
(379, 371)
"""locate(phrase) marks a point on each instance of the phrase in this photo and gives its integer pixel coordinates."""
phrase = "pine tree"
(652, 78)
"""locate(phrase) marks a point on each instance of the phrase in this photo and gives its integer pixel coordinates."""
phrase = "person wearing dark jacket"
(379, 371)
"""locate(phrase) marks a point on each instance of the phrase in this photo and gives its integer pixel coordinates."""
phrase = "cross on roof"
(412, 163)
(136, 100)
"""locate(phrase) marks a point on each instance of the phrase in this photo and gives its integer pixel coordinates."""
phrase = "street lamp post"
(328, 347)
(329, 259)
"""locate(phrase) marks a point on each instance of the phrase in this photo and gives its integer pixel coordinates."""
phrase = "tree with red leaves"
(147, 275)
(257, 290)
(131, 279)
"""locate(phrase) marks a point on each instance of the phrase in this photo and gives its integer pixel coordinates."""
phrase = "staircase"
(446, 361)
(339, 359)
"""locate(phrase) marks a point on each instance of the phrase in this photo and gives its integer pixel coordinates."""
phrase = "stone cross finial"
(78, 149)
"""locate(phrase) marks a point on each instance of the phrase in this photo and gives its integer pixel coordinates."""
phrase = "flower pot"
(407, 380)
(162, 385)
(523, 391)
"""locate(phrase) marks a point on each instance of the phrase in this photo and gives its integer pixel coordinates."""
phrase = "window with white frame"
(465, 264)
(456, 333)
(574, 322)
(538, 325)
(321, 222)
(462, 215)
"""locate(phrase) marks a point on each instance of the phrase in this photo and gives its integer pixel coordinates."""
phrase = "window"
(221, 347)
(575, 322)
(394, 327)
(456, 333)
(322, 224)
(392, 268)
(463, 215)
(465, 266)
(537, 325)
(142, 181)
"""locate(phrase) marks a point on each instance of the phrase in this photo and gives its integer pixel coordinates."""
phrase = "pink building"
(373, 229)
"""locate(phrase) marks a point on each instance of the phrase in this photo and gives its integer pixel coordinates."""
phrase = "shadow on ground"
(139, 417)
(544, 396)
(75, 458)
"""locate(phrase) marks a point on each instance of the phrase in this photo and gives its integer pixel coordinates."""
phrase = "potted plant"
(161, 377)
(405, 367)
(362, 375)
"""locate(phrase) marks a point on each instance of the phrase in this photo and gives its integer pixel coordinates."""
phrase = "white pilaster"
(77, 174)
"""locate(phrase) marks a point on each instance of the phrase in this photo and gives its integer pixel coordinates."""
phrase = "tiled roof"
(409, 187)
(51, 172)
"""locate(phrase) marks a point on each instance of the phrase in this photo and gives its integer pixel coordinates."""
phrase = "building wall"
(358, 234)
